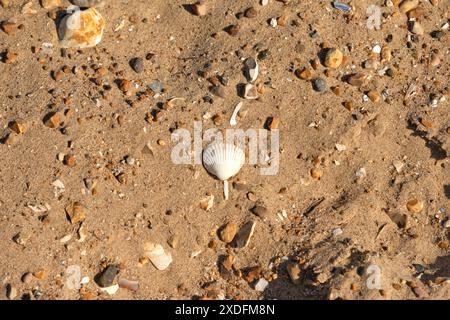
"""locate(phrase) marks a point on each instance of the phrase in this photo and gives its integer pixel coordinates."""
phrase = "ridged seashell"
(86, 3)
(223, 160)
(159, 258)
(81, 29)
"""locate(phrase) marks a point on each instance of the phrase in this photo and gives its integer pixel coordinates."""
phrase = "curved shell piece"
(223, 160)
(159, 258)
(87, 3)
(81, 29)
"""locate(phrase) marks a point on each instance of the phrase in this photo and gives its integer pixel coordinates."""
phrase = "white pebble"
(264, 2)
(376, 49)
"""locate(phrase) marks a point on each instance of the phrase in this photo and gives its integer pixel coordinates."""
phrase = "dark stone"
(319, 85)
(106, 277)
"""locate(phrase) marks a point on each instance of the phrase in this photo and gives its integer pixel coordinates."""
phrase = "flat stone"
(261, 212)
(333, 58)
(319, 85)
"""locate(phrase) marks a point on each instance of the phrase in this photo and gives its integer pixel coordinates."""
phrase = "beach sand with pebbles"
(92, 205)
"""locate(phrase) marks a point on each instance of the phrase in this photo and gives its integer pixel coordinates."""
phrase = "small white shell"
(223, 160)
(155, 252)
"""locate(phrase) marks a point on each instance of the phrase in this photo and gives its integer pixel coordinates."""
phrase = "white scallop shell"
(159, 258)
(223, 160)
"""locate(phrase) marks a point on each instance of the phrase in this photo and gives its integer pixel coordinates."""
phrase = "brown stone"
(251, 13)
(374, 96)
(252, 274)
(53, 120)
(304, 74)
(9, 28)
(199, 8)
(76, 212)
(69, 160)
(274, 123)
(233, 30)
(124, 85)
(227, 233)
(316, 173)
(333, 58)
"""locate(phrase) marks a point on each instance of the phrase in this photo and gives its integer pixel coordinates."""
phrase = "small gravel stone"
(319, 85)
(414, 205)
(242, 238)
(11, 292)
(199, 8)
(76, 212)
(137, 64)
(251, 13)
(233, 30)
(261, 212)
(107, 276)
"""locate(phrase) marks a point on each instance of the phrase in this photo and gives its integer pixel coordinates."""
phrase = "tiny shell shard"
(81, 29)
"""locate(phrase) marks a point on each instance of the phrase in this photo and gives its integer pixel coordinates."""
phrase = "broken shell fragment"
(112, 290)
(207, 203)
(251, 69)
(233, 120)
(159, 258)
(250, 92)
(81, 29)
(333, 58)
(223, 160)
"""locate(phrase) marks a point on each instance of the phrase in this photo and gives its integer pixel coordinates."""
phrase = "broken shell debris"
(223, 160)
(157, 255)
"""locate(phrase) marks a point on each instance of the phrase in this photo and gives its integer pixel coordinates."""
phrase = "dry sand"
(330, 229)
